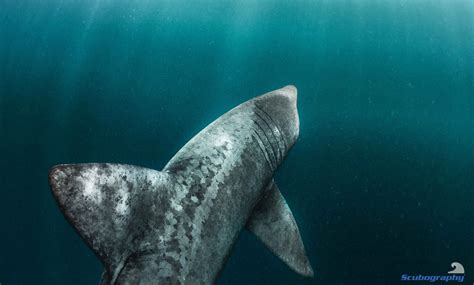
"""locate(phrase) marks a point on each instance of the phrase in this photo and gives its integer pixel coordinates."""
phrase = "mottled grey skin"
(178, 226)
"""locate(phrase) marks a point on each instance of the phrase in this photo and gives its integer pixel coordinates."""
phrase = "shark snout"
(290, 91)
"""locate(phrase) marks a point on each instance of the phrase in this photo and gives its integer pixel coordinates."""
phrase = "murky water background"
(381, 180)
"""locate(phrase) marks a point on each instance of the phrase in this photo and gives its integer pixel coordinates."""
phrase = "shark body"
(178, 225)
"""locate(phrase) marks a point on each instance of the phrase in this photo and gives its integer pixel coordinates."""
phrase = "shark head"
(278, 109)
(276, 122)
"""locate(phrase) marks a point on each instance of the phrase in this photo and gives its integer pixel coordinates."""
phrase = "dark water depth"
(381, 181)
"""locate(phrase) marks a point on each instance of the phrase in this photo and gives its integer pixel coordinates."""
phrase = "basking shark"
(178, 225)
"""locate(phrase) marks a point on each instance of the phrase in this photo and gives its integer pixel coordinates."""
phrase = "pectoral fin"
(273, 223)
(110, 206)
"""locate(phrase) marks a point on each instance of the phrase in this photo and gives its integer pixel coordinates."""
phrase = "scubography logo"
(457, 274)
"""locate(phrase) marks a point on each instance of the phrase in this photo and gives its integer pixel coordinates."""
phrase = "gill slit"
(280, 133)
(278, 158)
(257, 137)
(275, 160)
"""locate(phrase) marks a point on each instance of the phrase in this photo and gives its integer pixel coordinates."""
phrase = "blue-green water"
(381, 180)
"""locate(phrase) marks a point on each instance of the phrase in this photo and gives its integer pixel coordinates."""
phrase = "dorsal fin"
(105, 204)
(273, 223)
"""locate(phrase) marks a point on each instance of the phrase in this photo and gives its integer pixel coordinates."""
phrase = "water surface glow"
(380, 180)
